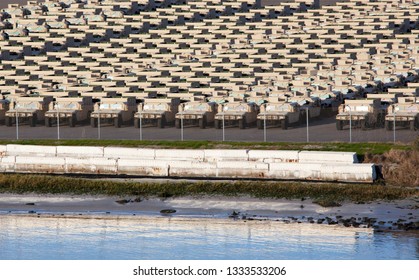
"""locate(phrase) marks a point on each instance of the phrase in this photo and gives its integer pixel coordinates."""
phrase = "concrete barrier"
(226, 155)
(91, 165)
(153, 168)
(172, 154)
(7, 164)
(349, 173)
(51, 165)
(242, 169)
(295, 171)
(327, 157)
(3, 150)
(80, 152)
(273, 156)
(31, 150)
(192, 169)
(114, 152)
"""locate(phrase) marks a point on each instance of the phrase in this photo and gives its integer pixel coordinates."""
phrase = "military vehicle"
(278, 112)
(329, 102)
(118, 110)
(198, 113)
(312, 105)
(365, 113)
(31, 109)
(72, 109)
(405, 114)
(239, 113)
(157, 111)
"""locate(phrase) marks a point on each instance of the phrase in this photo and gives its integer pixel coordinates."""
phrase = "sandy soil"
(396, 215)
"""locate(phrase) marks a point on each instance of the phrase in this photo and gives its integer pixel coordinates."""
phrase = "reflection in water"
(28, 237)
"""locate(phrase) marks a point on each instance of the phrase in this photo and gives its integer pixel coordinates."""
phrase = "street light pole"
(350, 123)
(181, 123)
(141, 126)
(223, 123)
(98, 121)
(17, 122)
(58, 120)
(394, 123)
(308, 138)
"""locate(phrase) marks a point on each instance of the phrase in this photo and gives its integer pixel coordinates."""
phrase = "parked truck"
(404, 114)
(239, 113)
(30, 109)
(4, 107)
(198, 113)
(72, 109)
(365, 113)
(118, 110)
(157, 111)
(278, 112)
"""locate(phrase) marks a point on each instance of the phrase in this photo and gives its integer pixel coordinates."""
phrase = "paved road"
(319, 131)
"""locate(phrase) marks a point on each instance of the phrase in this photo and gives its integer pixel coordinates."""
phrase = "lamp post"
(98, 121)
(141, 125)
(181, 123)
(223, 122)
(350, 123)
(264, 125)
(394, 123)
(308, 138)
(58, 120)
(17, 121)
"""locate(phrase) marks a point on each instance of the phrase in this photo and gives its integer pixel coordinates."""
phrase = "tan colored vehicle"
(312, 105)
(118, 110)
(238, 113)
(158, 112)
(72, 109)
(4, 107)
(364, 113)
(31, 109)
(198, 113)
(329, 102)
(404, 114)
(279, 113)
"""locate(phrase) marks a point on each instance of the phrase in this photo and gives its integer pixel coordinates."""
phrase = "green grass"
(326, 193)
(360, 148)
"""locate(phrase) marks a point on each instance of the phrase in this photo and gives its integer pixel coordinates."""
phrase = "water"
(144, 238)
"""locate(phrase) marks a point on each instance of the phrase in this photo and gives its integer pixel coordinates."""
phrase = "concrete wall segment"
(115, 152)
(273, 156)
(77, 151)
(327, 157)
(32, 150)
(180, 154)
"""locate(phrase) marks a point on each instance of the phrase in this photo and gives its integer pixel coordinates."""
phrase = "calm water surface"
(143, 238)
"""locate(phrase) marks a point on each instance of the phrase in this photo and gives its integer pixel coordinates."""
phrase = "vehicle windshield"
(196, 107)
(70, 106)
(279, 107)
(156, 107)
(358, 108)
(407, 108)
(235, 108)
(27, 105)
(111, 106)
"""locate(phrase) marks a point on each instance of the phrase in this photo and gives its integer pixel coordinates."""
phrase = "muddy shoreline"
(400, 215)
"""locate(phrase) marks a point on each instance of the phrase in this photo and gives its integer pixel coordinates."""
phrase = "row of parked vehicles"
(273, 111)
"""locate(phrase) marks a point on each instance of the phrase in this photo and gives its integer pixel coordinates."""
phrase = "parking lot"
(323, 130)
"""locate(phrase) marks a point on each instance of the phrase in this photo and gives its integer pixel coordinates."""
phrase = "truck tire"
(118, 121)
(47, 122)
(389, 125)
(32, 121)
(339, 124)
(217, 124)
(137, 123)
(8, 121)
(412, 125)
(364, 124)
(242, 123)
(93, 122)
(259, 124)
(72, 121)
(161, 122)
(202, 122)
(284, 123)
(177, 123)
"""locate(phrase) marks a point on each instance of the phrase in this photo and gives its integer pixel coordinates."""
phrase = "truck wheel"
(93, 122)
(284, 123)
(161, 122)
(177, 123)
(416, 126)
(47, 122)
(364, 124)
(118, 121)
(389, 125)
(8, 121)
(32, 121)
(339, 125)
(202, 122)
(412, 125)
(217, 124)
(72, 121)
(242, 123)
(259, 124)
